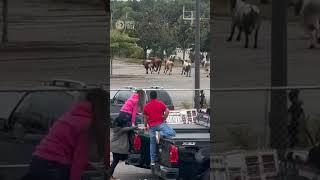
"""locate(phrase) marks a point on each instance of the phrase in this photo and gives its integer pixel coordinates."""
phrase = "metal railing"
(181, 98)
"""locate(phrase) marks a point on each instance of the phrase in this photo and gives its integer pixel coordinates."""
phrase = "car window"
(8, 103)
(38, 110)
(122, 96)
(163, 96)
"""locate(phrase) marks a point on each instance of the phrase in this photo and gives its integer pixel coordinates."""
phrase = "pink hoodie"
(67, 141)
(131, 107)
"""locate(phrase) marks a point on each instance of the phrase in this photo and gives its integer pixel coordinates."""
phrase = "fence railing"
(177, 98)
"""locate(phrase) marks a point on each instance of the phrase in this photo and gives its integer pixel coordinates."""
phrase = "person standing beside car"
(128, 113)
(64, 153)
(119, 143)
(155, 114)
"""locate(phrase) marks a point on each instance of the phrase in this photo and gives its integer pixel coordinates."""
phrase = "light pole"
(197, 58)
(278, 121)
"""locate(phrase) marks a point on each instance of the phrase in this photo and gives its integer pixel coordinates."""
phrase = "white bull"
(309, 10)
(186, 68)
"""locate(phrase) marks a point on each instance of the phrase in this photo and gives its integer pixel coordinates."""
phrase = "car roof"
(72, 93)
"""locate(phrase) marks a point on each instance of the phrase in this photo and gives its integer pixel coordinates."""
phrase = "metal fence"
(255, 129)
(181, 98)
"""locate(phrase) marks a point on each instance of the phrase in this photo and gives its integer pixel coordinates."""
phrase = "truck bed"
(186, 126)
(188, 131)
(198, 136)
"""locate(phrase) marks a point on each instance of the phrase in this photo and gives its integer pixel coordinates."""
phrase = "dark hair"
(294, 93)
(141, 101)
(98, 127)
(153, 95)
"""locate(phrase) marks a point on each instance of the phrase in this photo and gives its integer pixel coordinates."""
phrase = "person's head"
(98, 127)
(153, 95)
(293, 95)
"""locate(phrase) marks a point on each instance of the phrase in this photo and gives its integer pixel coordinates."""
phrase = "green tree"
(147, 30)
(121, 44)
(184, 34)
(159, 25)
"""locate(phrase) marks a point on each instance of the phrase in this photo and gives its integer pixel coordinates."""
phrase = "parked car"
(29, 121)
(121, 96)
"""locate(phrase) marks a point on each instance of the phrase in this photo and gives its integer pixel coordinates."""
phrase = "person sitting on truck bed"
(155, 114)
(119, 145)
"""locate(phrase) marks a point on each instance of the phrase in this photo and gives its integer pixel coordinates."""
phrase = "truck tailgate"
(188, 145)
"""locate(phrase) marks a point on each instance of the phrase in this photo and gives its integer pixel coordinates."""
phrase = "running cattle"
(156, 65)
(186, 68)
(245, 17)
(148, 66)
(168, 67)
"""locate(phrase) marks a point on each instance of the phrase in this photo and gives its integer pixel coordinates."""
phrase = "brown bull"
(157, 63)
(168, 67)
(147, 65)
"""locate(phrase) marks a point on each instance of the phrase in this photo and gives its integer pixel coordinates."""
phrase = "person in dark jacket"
(296, 117)
(119, 144)
(65, 152)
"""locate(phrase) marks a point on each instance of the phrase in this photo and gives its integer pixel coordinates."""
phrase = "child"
(119, 145)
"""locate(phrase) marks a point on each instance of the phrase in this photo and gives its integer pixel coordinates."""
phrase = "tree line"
(159, 26)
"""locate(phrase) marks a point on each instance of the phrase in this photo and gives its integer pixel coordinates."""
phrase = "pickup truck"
(176, 155)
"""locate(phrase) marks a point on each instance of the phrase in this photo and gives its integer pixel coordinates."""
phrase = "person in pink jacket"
(64, 153)
(128, 112)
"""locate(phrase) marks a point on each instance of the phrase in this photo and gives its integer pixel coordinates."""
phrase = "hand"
(146, 128)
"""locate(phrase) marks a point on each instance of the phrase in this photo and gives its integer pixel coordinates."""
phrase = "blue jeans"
(165, 131)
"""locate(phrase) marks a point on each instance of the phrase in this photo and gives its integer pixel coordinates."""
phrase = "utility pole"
(278, 118)
(197, 58)
(5, 21)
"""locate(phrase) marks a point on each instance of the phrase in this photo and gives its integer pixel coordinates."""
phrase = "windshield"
(122, 96)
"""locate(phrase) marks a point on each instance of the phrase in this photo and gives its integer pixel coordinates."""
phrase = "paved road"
(235, 66)
(126, 172)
